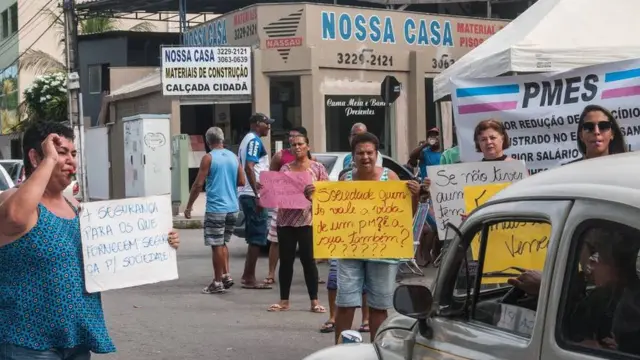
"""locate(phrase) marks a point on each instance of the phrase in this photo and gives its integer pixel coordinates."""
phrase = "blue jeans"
(256, 222)
(377, 277)
(13, 352)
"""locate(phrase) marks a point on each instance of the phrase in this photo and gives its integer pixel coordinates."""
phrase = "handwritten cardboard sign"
(509, 244)
(125, 243)
(448, 182)
(284, 190)
(362, 220)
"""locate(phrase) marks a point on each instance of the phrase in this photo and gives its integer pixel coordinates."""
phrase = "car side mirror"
(414, 301)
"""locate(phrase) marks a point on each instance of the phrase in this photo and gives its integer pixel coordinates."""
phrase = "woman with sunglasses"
(598, 134)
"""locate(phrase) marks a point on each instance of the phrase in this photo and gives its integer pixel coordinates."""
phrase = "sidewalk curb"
(188, 223)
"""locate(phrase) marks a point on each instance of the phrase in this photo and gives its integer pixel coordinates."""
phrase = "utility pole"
(73, 90)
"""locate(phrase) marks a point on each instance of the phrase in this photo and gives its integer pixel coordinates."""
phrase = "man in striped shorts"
(223, 174)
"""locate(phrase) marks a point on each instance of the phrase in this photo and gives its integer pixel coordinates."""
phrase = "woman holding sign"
(378, 276)
(598, 134)
(492, 140)
(46, 313)
(294, 230)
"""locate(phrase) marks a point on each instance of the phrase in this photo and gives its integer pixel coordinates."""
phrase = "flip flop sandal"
(364, 328)
(318, 309)
(257, 287)
(269, 281)
(277, 308)
(321, 282)
(328, 327)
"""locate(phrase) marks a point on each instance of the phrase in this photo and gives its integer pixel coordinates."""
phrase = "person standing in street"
(223, 174)
(427, 154)
(45, 311)
(254, 159)
(356, 129)
(281, 158)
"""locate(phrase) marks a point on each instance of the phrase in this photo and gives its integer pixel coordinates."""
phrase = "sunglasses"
(602, 126)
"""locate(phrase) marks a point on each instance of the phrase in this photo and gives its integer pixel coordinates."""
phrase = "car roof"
(608, 178)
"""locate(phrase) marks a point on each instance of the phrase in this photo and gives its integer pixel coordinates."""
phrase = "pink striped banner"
(487, 107)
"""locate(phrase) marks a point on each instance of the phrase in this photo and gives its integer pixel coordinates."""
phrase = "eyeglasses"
(602, 126)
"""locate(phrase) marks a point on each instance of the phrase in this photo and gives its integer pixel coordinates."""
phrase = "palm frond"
(97, 25)
(144, 26)
(39, 62)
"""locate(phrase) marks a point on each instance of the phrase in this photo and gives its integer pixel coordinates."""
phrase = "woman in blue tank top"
(45, 312)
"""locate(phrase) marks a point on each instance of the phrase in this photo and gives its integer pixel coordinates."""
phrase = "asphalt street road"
(173, 320)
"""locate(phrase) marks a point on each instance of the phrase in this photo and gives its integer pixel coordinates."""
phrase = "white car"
(14, 168)
(5, 180)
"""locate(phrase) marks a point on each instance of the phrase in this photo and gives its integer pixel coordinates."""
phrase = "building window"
(95, 79)
(5, 24)
(14, 18)
(343, 111)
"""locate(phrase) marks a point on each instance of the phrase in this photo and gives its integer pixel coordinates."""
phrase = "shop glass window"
(507, 248)
(14, 18)
(95, 79)
(599, 310)
(342, 111)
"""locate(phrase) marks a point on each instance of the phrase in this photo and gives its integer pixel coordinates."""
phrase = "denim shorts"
(256, 223)
(377, 277)
(332, 281)
(14, 352)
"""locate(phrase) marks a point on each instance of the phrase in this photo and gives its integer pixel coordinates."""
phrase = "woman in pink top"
(282, 157)
(294, 230)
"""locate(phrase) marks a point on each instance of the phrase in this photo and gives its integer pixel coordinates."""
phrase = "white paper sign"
(448, 182)
(125, 243)
(517, 319)
(206, 70)
(541, 111)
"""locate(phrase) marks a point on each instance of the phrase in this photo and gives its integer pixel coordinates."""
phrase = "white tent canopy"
(553, 35)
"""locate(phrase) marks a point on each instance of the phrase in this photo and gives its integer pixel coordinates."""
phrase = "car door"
(567, 339)
(479, 326)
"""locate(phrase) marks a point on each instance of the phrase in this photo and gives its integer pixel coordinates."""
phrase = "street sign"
(390, 89)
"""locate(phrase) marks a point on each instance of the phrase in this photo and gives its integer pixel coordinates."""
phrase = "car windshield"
(13, 169)
(329, 161)
(3, 183)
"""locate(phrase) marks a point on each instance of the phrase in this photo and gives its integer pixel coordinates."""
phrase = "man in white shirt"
(254, 159)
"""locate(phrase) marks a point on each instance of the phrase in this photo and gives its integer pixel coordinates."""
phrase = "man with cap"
(254, 159)
(427, 154)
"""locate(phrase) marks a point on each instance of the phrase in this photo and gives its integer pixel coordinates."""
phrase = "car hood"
(347, 352)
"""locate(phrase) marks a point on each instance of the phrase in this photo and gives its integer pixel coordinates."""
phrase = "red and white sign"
(284, 42)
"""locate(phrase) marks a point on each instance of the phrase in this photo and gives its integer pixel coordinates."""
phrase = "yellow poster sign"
(362, 220)
(510, 243)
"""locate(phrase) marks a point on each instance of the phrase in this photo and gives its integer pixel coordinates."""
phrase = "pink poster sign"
(284, 190)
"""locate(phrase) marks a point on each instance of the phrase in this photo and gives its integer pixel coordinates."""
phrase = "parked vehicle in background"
(333, 163)
(15, 170)
(5, 180)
